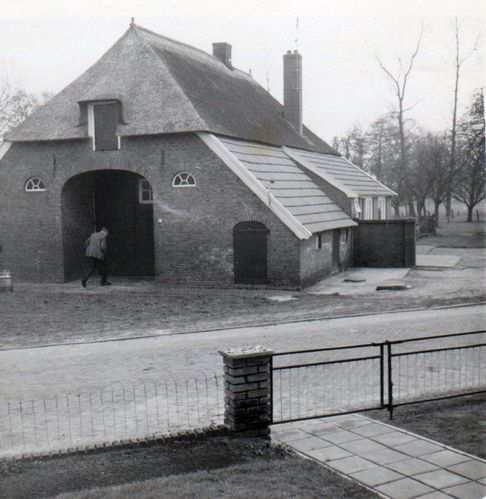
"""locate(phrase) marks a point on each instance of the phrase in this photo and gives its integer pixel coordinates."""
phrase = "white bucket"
(6, 283)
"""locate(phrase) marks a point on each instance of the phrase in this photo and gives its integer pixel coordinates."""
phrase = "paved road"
(41, 372)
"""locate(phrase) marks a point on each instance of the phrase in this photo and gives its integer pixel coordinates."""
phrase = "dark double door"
(250, 253)
(108, 198)
(130, 223)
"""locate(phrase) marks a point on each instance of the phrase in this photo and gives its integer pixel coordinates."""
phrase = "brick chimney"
(222, 51)
(292, 63)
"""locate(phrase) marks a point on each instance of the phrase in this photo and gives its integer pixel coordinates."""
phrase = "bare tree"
(399, 81)
(459, 62)
(15, 105)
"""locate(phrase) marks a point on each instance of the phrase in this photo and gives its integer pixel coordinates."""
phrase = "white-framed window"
(34, 184)
(368, 209)
(382, 208)
(184, 179)
(145, 193)
(356, 208)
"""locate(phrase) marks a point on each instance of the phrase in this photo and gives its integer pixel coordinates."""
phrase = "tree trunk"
(470, 210)
(436, 210)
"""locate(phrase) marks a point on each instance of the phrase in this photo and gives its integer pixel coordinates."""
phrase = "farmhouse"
(197, 171)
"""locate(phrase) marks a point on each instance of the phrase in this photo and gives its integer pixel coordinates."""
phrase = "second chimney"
(222, 51)
(292, 63)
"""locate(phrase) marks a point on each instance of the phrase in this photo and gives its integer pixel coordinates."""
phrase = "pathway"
(388, 460)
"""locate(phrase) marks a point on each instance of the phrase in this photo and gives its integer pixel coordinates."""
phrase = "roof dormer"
(102, 118)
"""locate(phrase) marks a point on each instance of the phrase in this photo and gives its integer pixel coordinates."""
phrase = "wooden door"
(336, 244)
(250, 253)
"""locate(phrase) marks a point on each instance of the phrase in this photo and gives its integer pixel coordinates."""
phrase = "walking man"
(96, 247)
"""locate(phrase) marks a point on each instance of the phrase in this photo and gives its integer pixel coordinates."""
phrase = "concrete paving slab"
(336, 436)
(310, 443)
(418, 448)
(440, 479)
(373, 430)
(376, 476)
(391, 461)
(288, 435)
(351, 464)
(404, 489)
(442, 261)
(473, 469)
(328, 453)
(363, 446)
(436, 495)
(364, 281)
(446, 458)
(412, 466)
(394, 438)
(471, 490)
(373, 451)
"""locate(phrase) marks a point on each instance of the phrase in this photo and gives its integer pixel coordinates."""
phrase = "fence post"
(248, 390)
(390, 378)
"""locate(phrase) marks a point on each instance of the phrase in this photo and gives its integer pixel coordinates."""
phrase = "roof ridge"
(176, 42)
(163, 63)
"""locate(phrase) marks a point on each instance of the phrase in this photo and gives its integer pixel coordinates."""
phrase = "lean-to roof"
(168, 87)
(281, 184)
(341, 173)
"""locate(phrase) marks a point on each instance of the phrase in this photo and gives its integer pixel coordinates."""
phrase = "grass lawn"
(203, 467)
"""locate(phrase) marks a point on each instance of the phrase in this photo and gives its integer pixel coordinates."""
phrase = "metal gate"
(327, 381)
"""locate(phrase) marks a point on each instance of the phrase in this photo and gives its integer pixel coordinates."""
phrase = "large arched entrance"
(250, 253)
(115, 199)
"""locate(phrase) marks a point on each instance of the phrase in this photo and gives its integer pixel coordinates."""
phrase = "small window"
(103, 119)
(35, 184)
(145, 193)
(184, 180)
(319, 241)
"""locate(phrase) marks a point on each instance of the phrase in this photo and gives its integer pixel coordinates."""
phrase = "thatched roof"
(167, 87)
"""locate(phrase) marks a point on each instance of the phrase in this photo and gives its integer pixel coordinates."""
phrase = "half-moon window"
(35, 184)
(184, 179)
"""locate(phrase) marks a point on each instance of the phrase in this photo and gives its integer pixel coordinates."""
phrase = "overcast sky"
(44, 45)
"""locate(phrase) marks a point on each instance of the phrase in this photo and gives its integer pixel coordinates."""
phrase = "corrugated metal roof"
(341, 173)
(292, 186)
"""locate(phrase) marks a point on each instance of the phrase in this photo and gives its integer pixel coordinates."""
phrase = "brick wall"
(193, 227)
(317, 263)
(389, 243)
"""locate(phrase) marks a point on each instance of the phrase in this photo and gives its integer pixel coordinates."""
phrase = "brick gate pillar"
(248, 384)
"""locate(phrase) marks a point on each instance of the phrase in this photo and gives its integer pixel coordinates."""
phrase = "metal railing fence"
(437, 372)
(399, 373)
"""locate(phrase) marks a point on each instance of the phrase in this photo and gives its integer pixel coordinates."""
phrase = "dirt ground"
(199, 467)
(39, 314)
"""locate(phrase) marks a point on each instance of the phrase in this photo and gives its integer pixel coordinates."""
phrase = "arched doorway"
(111, 198)
(250, 253)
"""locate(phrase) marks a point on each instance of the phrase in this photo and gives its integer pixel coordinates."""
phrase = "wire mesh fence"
(113, 413)
(437, 373)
